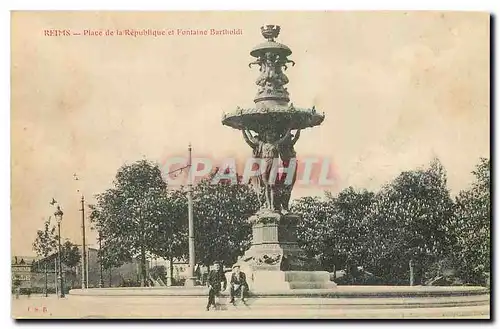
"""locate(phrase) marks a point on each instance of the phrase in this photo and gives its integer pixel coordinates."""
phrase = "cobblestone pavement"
(53, 307)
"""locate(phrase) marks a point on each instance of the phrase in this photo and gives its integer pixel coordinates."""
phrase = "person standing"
(239, 285)
(204, 273)
(215, 280)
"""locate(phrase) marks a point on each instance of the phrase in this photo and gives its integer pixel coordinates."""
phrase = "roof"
(22, 260)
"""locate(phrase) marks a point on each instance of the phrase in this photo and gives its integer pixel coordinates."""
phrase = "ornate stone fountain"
(279, 273)
(275, 260)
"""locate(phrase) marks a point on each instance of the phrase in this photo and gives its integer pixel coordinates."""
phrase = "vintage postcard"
(250, 165)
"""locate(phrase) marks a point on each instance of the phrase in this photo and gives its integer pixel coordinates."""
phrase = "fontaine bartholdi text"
(179, 32)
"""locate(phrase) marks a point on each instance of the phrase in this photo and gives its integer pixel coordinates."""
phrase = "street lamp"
(191, 280)
(59, 214)
(84, 253)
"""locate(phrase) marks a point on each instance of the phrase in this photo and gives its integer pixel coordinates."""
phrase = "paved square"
(100, 307)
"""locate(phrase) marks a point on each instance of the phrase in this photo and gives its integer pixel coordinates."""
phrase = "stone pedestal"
(275, 261)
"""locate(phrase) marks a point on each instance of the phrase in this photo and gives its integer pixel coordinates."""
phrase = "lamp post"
(191, 280)
(84, 253)
(59, 214)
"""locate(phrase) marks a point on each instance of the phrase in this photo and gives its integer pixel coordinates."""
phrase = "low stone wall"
(338, 291)
(452, 300)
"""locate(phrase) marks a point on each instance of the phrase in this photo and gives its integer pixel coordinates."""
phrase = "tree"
(104, 216)
(128, 215)
(172, 226)
(70, 257)
(70, 254)
(221, 212)
(351, 208)
(171, 240)
(45, 244)
(332, 230)
(46, 240)
(409, 220)
(317, 228)
(472, 226)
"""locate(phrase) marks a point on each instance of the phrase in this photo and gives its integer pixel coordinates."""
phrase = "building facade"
(21, 270)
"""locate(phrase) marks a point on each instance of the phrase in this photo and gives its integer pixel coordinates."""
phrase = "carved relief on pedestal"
(272, 259)
(274, 244)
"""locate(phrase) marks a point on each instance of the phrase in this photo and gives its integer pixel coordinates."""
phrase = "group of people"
(217, 282)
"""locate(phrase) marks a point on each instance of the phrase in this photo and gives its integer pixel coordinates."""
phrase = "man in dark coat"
(239, 285)
(215, 280)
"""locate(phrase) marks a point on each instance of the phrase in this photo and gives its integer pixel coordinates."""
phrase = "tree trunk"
(109, 277)
(143, 251)
(171, 270)
(411, 273)
(143, 267)
(46, 279)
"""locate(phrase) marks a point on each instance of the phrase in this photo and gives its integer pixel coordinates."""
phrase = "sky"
(397, 89)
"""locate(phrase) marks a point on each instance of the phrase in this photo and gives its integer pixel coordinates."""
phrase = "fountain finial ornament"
(270, 32)
(272, 58)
